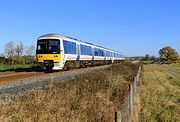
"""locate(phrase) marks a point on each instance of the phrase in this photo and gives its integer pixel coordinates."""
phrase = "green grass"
(9, 67)
(148, 62)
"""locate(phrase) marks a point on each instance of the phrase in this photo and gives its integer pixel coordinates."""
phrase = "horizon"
(135, 28)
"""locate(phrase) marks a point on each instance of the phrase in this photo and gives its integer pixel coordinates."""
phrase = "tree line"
(18, 54)
(166, 55)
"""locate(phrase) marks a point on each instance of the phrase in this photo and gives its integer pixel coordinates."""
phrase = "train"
(58, 52)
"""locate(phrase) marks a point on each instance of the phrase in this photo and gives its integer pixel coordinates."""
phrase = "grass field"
(93, 97)
(160, 93)
(148, 62)
(9, 67)
(176, 66)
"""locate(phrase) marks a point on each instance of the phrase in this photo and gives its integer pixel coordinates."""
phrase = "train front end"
(48, 52)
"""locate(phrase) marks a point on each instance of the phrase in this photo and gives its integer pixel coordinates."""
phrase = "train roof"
(51, 35)
(54, 35)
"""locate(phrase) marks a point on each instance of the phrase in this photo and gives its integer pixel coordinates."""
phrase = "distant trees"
(2, 58)
(149, 58)
(10, 51)
(19, 49)
(19, 54)
(30, 54)
(168, 54)
(30, 51)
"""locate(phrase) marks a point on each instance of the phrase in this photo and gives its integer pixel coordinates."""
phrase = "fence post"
(118, 116)
(130, 101)
(127, 116)
(131, 98)
(135, 84)
(138, 75)
(129, 105)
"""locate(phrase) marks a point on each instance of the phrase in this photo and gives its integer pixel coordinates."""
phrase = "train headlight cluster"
(56, 56)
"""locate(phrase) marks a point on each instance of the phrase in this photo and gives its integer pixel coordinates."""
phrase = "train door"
(63, 56)
(78, 52)
(92, 54)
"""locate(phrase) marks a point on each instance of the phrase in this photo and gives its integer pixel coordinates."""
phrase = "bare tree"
(30, 51)
(19, 49)
(15, 53)
(10, 49)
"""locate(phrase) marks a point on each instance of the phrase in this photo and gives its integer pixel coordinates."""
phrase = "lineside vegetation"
(91, 97)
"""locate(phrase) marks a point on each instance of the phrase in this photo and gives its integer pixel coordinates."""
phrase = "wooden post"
(131, 97)
(130, 102)
(135, 83)
(118, 116)
(128, 115)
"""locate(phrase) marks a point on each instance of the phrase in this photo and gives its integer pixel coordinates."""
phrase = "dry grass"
(175, 65)
(160, 97)
(92, 97)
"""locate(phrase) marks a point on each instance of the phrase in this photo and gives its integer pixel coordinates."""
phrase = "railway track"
(7, 73)
(13, 76)
(17, 82)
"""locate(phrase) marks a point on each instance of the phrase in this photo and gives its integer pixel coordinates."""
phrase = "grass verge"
(175, 65)
(11, 67)
(159, 95)
(92, 97)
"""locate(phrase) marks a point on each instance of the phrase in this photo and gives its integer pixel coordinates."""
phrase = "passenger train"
(57, 52)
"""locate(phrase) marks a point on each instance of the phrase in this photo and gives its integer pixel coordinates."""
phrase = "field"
(176, 66)
(11, 67)
(160, 93)
(92, 97)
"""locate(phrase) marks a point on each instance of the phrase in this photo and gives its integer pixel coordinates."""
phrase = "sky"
(133, 27)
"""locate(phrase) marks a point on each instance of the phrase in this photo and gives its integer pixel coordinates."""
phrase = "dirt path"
(175, 72)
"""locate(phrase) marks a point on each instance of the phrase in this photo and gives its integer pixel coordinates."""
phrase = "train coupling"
(49, 64)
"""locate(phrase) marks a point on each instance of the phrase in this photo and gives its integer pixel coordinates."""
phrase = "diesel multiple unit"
(57, 52)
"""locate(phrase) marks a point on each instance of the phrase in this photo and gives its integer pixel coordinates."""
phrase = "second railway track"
(12, 76)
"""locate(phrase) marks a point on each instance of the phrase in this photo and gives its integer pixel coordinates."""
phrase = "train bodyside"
(57, 52)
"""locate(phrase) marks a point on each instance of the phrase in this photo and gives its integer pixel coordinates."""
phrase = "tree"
(10, 50)
(30, 54)
(168, 54)
(15, 53)
(19, 49)
(2, 58)
(147, 57)
(30, 51)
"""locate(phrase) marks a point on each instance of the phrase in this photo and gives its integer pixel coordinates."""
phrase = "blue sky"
(134, 27)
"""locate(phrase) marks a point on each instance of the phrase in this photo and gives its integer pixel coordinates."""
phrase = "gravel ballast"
(8, 89)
